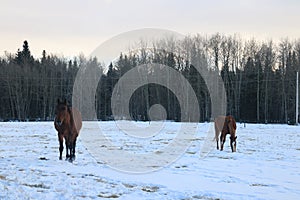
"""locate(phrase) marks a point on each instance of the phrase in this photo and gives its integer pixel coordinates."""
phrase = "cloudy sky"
(71, 27)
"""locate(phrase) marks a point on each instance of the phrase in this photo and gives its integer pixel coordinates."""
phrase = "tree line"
(259, 78)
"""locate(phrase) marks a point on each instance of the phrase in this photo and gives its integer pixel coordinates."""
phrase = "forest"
(259, 78)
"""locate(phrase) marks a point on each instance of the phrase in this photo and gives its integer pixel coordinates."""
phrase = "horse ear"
(65, 101)
(235, 137)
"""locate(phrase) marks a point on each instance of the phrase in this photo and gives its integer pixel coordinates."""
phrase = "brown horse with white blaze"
(225, 125)
(68, 123)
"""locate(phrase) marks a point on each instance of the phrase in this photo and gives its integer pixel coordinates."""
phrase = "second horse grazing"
(225, 125)
(68, 123)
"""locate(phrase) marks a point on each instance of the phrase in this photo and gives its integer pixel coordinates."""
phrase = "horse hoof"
(68, 158)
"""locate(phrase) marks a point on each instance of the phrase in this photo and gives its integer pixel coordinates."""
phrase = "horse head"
(61, 112)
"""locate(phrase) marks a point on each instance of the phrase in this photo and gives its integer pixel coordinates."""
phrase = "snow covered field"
(265, 166)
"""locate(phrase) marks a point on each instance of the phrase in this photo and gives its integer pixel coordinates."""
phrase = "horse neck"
(67, 121)
(232, 127)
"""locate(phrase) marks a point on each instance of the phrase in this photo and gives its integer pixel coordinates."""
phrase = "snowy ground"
(265, 166)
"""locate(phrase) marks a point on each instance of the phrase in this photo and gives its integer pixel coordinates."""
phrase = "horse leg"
(221, 142)
(217, 132)
(74, 146)
(72, 150)
(217, 139)
(222, 139)
(67, 149)
(231, 142)
(231, 145)
(61, 145)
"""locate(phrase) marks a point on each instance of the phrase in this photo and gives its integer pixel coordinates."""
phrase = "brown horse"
(68, 123)
(225, 125)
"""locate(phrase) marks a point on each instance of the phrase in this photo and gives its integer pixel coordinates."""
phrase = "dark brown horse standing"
(225, 125)
(68, 123)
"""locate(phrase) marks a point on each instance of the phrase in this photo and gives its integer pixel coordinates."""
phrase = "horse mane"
(71, 115)
(74, 118)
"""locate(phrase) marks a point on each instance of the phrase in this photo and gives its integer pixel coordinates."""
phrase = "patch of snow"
(265, 166)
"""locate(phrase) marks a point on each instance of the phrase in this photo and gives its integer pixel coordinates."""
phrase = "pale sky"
(71, 27)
